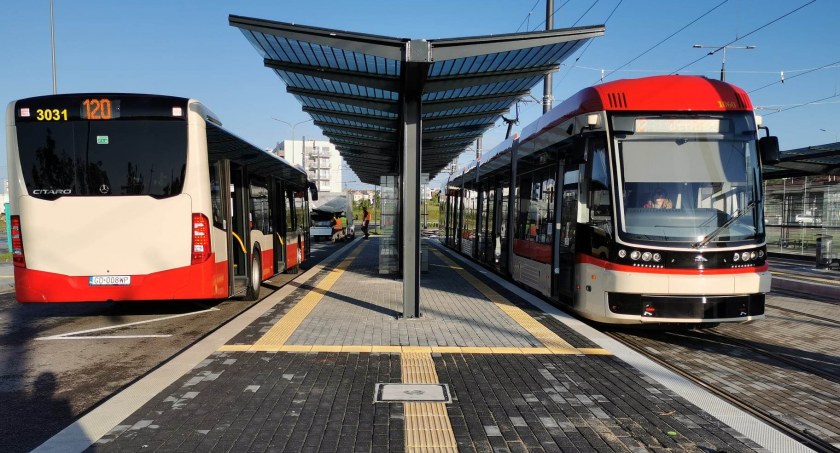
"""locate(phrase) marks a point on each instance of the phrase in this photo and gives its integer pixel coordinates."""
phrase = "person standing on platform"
(365, 221)
(337, 228)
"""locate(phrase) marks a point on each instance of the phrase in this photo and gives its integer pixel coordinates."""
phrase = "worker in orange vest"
(365, 221)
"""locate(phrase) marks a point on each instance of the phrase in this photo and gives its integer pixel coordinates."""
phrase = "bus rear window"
(81, 158)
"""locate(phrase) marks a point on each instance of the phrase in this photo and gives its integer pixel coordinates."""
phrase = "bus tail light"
(17, 243)
(200, 238)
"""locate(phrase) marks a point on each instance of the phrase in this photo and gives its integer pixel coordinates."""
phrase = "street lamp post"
(293, 126)
(723, 62)
(52, 46)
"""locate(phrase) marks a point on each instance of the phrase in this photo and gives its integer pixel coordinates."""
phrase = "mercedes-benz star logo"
(104, 189)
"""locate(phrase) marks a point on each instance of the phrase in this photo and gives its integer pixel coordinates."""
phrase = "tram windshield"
(689, 189)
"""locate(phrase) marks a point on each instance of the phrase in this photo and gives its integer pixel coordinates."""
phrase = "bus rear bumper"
(201, 281)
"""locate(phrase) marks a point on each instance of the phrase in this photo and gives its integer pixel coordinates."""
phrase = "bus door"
(279, 203)
(294, 254)
(563, 287)
(238, 218)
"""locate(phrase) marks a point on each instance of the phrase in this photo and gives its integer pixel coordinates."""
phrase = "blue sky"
(187, 48)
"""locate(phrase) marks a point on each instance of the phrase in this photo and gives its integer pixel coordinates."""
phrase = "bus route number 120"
(96, 109)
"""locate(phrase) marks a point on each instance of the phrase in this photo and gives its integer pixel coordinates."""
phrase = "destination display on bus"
(98, 108)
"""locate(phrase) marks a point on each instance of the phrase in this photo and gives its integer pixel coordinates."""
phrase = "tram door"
(279, 202)
(238, 219)
(564, 259)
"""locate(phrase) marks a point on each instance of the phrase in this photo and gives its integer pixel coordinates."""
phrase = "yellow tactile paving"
(280, 332)
(412, 349)
(548, 338)
(427, 426)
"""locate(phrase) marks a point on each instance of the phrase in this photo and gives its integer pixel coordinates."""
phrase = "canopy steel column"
(512, 207)
(415, 70)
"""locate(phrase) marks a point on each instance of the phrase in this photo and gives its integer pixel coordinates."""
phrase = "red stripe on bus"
(207, 280)
(586, 259)
(267, 263)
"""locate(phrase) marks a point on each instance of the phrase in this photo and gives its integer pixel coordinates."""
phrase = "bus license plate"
(110, 280)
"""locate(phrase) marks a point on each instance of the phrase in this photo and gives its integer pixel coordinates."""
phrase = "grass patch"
(5, 257)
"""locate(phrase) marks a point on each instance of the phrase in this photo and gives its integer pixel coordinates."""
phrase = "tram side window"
(216, 195)
(536, 206)
(260, 208)
(470, 200)
(599, 185)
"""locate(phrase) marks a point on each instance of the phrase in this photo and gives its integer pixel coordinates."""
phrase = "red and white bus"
(118, 197)
(635, 201)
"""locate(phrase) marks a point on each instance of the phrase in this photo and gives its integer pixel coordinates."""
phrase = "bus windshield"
(102, 158)
(689, 189)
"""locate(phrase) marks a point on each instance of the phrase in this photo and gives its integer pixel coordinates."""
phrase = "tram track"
(803, 436)
(808, 315)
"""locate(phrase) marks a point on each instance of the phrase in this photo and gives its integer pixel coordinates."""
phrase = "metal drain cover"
(412, 393)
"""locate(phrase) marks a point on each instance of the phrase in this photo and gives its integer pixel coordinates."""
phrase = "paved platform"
(299, 372)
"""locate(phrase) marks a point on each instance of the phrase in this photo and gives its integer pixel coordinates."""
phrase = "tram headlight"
(736, 257)
(622, 253)
(647, 256)
(761, 253)
(745, 256)
(657, 257)
(753, 255)
(635, 255)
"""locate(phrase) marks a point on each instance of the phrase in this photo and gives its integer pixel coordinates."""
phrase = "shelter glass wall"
(389, 258)
(798, 211)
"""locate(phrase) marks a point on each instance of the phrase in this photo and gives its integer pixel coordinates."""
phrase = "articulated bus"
(635, 201)
(119, 197)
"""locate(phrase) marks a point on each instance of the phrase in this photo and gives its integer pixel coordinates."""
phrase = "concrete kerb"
(88, 429)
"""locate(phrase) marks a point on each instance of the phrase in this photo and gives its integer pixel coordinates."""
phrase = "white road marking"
(79, 334)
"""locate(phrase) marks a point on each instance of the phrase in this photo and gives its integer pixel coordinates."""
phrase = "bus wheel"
(253, 291)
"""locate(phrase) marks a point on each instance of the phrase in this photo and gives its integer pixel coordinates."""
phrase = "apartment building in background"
(321, 160)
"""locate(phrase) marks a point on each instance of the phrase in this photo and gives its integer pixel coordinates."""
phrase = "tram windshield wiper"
(706, 239)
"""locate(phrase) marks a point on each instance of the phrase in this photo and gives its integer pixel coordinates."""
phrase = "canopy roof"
(354, 85)
(811, 160)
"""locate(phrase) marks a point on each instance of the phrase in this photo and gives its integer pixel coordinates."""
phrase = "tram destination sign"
(682, 125)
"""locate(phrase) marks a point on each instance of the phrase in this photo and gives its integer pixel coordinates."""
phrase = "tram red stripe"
(586, 259)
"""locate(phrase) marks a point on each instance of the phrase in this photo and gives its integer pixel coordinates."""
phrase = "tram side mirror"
(313, 191)
(769, 149)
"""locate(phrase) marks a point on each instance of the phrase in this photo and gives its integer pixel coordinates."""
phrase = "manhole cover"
(399, 393)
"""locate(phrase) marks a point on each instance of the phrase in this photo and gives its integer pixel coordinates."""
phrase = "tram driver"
(660, 200)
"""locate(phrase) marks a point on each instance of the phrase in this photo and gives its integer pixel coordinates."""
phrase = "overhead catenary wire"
(803, 72)
(586, 47)
(539, 26)
(814, 102)
(744, 36)
(527, 17)
(664, 40)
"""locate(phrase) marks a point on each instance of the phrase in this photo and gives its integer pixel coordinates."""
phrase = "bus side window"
(290, 212)
(216, 195)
